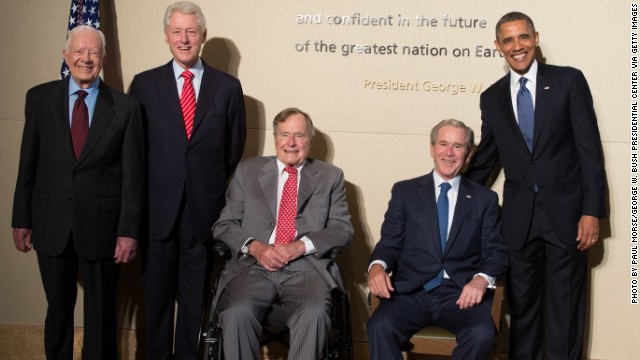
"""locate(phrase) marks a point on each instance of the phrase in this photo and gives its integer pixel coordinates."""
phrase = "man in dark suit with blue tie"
(79, 195)
(443, 255)
(539, 125)
(195, 122)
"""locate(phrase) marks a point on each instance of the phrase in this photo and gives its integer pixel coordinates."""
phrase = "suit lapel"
(59, 106)
(208, 90)
(427, 198)
(506, 105)
(268, 180)
(308, 183)
(463, 204)
(543, 97)
(169, 90)
(102, 116)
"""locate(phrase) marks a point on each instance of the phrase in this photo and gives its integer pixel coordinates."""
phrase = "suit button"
(70, 200)
(75, 174)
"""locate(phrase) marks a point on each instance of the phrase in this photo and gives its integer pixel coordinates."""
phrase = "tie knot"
(187, 75)
(81, 94)
(291, 170)
(523, 82)
(444, 187)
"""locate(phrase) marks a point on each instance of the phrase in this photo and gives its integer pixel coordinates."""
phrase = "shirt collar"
(74, 87)
(281, 166)
(196, 70)
(530, 75)
(437, 180)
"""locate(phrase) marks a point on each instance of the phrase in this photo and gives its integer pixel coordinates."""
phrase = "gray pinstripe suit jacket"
(250, 212)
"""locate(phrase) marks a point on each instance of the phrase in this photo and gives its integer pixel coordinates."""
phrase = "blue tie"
(443, 224)
(525, 113)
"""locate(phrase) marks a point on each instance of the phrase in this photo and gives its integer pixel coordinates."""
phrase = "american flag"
(82, 12)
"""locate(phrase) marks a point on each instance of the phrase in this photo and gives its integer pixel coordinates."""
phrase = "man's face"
(517, 43)
(450, 152)
(292, 140)
(84, 57)
(185, 38)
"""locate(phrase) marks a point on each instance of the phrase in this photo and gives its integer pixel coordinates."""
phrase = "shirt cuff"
(380, 262)
(308, 246)
(490, 279)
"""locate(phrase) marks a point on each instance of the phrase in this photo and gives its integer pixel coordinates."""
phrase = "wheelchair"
(339, 345)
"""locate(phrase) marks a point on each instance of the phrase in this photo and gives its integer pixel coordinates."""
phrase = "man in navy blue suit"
(194, 144)
(442, 258)
(553, 190)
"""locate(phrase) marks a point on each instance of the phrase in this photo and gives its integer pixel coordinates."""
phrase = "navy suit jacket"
(96, 198)
(410, 239)
(200, 167)
(566, 164)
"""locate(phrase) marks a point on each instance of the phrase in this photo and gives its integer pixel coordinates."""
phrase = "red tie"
(286, 228)
(79, 123)
(188, 102)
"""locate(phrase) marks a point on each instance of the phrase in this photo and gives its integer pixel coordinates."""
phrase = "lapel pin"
(547, 87)
(468, 196)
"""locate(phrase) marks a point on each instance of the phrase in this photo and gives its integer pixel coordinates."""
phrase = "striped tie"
(188, 102)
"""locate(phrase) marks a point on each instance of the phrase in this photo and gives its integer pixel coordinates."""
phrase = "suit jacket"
(251, 206)
(410, 237)
(198, 168)
(566, 164)
(96, 198)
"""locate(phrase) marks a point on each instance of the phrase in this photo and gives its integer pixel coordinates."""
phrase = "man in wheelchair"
(283, 214)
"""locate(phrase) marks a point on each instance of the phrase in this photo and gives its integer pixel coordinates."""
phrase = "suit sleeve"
(27, 167)
(486, 160)
(228, 228)
(588, 146)
(236, 129)
(494, 253)
(392, 231)
(338, 230)
(133, 189)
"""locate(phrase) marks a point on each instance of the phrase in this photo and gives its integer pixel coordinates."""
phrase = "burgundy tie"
(188, 102)
(286, 228)
(79, 123)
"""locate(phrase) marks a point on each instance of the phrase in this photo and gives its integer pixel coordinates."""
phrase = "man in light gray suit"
(267, 265)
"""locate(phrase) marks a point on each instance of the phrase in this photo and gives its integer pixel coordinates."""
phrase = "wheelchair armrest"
(221, 249)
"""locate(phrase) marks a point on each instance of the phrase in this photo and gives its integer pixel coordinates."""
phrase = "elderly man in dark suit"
(283, 215)
(79, 194)
(539, 124)
(443, 255)
(195, 121)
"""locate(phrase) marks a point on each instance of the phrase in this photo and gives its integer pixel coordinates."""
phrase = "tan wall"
(377, 136)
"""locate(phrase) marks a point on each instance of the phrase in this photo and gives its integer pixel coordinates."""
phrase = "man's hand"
(267, 255)
(472, 292)
(292, 250)
(22, 239)
(588, 232)
(380, 282)
(126, 248)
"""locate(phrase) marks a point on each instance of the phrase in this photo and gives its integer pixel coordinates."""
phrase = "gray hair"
(284, 114)
(185, 7)
(85, 28)
(457, 124)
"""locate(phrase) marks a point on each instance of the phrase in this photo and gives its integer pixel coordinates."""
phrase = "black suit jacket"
(198, 168)
(410, 238)
(96, 198)
(566, 164)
